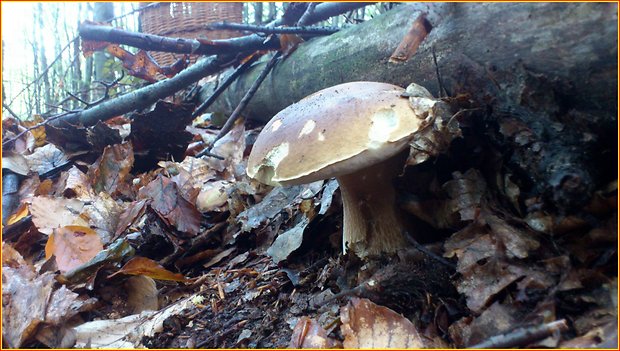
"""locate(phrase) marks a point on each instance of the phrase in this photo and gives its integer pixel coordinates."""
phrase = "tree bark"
(480, 49)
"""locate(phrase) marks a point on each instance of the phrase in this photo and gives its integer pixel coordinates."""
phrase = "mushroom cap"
(335, 131)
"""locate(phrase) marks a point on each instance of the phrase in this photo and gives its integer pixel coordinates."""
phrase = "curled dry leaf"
(72, 246)
(309, 334)
(147, 267)
(368, 325)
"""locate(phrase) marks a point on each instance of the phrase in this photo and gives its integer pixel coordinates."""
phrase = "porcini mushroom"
(357, 132)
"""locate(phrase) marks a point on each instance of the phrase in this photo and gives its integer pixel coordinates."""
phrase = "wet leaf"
(111, 168)
(147, 267)
(25, 300)
(77, 185)
(173, 208)
(72, 246)
(116, 252)
(15, 162)
(288, 241)
(367, 325)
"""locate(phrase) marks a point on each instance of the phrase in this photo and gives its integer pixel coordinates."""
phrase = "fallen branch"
(308, 31)
(227, 82)
(243, 103)
(523, 336)
(146, 96)
(149, 42)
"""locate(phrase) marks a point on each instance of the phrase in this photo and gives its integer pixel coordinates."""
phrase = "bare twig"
(523, 336)
(274, 30)
(243, 103)
(41, 124)
(220, 89)
(442, 89)
(37, 79)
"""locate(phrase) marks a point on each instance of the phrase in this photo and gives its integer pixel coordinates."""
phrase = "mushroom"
(358, 132)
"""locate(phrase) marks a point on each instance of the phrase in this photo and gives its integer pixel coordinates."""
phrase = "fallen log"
(479, 48)
(545, 75)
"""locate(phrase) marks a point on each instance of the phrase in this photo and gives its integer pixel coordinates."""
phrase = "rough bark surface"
(480, 49)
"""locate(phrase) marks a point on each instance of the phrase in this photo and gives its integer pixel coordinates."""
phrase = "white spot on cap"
(308, 127)
(321, 136)
(276, 124)
(276, 155)
(384, 122)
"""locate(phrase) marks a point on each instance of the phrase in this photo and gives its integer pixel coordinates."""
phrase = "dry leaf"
(24, 301)
(309, 334)
(171, 206)
(368, 325)
(111, 168)
(142, 294)
(49, 213)
(72, 246)
(145, 266)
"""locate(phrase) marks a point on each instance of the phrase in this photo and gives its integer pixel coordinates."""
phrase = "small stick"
(523, 336)
(244, 101)
(272, 30)
(442, 89)
(224, 85)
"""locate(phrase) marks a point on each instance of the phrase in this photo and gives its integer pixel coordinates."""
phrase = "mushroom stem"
(372, 221)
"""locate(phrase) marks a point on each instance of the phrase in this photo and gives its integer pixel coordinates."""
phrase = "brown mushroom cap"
(333, 132)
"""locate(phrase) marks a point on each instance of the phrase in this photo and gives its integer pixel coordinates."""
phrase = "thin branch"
(143, 97)
(41, 124)
(523, 336)
(243, 103)
(37, 79)
(225, 85)
(273, 30)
